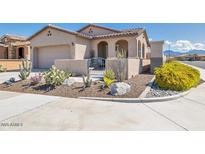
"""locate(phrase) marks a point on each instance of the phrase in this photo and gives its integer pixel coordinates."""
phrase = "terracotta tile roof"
(122, 33)
(102, 27)
(14, 37)
(117, 33)
(60, 29)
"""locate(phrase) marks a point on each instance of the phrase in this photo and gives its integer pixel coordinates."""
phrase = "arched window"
(121, 47)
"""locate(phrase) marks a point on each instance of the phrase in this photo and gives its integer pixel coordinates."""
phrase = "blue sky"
(180, 37)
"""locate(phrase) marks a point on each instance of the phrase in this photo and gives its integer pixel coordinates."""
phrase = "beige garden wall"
(132, 66)
(79, 67)
(157, 56)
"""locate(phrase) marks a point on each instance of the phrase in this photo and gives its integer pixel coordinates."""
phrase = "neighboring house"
(72, 51)
(12, 50)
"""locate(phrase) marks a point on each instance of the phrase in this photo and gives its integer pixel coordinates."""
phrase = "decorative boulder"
(69, 82)
(12, 79)
(119, 88)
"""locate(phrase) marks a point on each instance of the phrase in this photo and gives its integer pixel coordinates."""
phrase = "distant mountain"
(172, 53)
(176, 53)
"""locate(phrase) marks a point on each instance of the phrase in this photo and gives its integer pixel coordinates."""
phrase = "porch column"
(27, 52)
(95, 49)
(17, 52)
(132, 45)
(137, 49)
(111, 49)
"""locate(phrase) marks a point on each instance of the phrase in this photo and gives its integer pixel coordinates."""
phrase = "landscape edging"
(139, 100)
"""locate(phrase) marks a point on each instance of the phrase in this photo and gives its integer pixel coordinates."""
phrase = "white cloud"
(184, 45)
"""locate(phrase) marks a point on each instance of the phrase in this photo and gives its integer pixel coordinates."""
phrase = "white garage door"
(47, 55)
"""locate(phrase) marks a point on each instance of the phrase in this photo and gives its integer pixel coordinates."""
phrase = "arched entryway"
(103, 49)
(122, 47)
(21, 53)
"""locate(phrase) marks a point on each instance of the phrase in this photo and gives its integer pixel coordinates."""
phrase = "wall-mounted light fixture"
(73, 43)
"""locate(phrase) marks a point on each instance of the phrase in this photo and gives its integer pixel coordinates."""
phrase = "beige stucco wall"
(145, 65)
(57, 38)
(10, 64)
(132, 66)
(82, 48)
(157, 57)
(79, 67)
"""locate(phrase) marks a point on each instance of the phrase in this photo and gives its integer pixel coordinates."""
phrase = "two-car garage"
(47, 55)
(49, 44)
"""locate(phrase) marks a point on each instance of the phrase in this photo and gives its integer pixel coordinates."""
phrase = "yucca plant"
(25, 69)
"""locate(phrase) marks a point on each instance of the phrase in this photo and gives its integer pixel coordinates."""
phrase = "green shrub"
(25, 69)
(55, 77)
(176, 76)
(2, 69)
(109, 74)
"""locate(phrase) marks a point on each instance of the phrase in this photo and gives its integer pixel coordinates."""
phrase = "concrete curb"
(147, 89)
(139, 100)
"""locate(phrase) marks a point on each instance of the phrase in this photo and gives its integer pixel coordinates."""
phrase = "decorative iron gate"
(96, 63)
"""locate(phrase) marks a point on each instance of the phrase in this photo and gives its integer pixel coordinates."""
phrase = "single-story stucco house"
(72, 50)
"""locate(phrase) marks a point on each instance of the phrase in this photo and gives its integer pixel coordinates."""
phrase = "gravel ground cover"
(138, 84)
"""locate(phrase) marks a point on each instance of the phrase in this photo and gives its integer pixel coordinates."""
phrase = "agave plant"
(87, 81)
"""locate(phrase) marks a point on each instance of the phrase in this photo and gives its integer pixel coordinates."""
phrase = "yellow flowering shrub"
(176, 76)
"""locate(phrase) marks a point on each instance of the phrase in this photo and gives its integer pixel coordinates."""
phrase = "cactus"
(86, 81)
(25, 69)
(55, 77)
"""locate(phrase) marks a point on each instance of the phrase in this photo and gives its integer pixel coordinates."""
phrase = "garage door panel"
(47, 55)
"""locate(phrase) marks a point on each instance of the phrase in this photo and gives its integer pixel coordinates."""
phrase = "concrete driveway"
(37, 112)
(4, 76)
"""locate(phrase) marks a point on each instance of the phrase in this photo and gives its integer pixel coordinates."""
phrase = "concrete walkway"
(187, 113)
